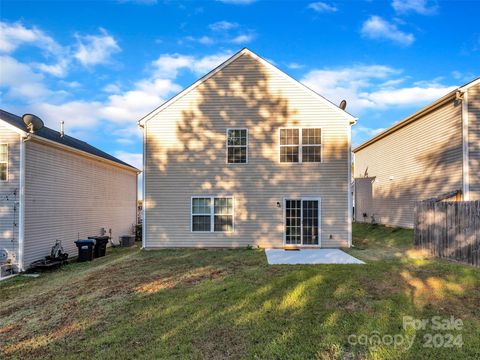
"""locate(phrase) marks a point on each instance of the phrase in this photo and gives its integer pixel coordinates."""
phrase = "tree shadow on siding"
(439, 171)
(190, 153)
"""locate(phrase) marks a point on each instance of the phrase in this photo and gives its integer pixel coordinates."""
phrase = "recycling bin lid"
(85, 242)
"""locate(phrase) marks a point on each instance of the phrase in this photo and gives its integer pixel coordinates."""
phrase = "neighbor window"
(237, 143)
(3, 162)
(211, 214)
(300, 145)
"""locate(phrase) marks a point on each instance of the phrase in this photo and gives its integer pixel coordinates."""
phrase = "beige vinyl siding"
(186, 156)
(418, 161)
(10, 192)
(474, 141)
(69, 196)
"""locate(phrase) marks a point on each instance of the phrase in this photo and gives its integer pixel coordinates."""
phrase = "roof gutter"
(442, 101)
(80, 152)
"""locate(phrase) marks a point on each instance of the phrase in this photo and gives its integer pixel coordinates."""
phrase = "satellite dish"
(343, 104)
(33, 122)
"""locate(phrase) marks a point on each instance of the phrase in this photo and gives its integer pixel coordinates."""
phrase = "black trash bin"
(100, 248)
(85, 249)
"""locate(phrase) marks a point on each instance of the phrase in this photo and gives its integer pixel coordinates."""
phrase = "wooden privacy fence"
(449, 229)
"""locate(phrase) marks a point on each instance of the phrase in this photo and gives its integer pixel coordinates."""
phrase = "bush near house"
(220, 304)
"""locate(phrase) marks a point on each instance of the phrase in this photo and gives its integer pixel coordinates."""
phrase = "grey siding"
(363, 199)
(474, 141)
(10, 192)
(186, 156)
(420, 160)
(69, 196)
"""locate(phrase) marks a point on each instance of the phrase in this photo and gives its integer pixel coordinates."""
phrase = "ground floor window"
(212, 214)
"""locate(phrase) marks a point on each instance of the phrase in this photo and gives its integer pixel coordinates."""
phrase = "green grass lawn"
(215, 304)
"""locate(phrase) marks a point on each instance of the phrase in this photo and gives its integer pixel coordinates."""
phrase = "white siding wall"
(10, 192)
(186, 155)
(474, 141)
(419, 161)
(69, 196)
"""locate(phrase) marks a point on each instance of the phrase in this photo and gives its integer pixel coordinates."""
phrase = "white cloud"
(295, 66)
(206, 40)
(134, 159)
(322, 7)
(95, 49)
(59, 69)
(242, 39)
(168, 65)
(133, 104)
(111, 88)
(222, 25)
(423, 7)
(377, 28)
(363, 131)
(21, 82)
(76, 114)
(207, 63)
(14, 35)
(372, 86)
(414, 95)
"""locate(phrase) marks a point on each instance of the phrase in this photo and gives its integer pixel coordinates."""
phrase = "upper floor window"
(237, 146)
(299, 145)
(3, 162)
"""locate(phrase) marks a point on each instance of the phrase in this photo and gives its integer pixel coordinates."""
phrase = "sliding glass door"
(302, 219)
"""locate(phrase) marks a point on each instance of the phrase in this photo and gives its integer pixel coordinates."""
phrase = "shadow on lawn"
(229, 304)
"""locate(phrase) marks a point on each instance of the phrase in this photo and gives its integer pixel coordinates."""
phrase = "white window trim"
(6, 162)
(212, 213)
(300, 145)
(301, 198)
(227, 146)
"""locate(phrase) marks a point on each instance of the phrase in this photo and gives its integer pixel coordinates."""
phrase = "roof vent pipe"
(62, 128)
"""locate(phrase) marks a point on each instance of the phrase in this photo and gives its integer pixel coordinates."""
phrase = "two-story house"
(247, 156)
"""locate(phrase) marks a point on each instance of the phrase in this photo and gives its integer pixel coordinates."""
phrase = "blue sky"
(100, 66)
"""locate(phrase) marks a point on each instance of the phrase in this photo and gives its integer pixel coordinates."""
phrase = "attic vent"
(33, 122)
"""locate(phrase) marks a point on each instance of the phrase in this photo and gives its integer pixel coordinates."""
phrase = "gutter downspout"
(144, 203)
(21, 215)
(465, 155)
(350, 202)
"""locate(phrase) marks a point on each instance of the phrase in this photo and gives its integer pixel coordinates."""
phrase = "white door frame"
(302, 198)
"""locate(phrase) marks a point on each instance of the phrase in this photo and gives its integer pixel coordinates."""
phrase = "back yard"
(230, 304)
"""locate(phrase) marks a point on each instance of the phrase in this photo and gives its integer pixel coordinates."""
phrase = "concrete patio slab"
(309, 256)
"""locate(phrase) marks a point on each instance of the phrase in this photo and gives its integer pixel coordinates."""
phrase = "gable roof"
(451, 95)
(234, 57)
(66, 140)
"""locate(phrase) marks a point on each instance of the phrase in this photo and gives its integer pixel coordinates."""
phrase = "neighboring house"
(53, 186)
(434, 153)
(247, 156)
